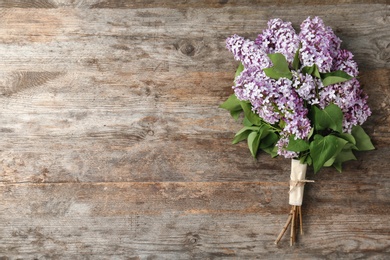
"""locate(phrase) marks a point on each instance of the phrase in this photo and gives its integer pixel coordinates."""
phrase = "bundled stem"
(297, 183)
(294, 219)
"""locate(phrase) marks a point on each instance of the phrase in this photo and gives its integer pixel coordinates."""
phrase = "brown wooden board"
(113, 145)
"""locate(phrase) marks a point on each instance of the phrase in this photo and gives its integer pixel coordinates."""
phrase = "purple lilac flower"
(282, 148)
(280, 37)
(292, 109)
(254, 86)
(344, 61)
(319, 44)
(285, 100)
(249, 53)
(348, 95)
(351, 100)
(306, 86)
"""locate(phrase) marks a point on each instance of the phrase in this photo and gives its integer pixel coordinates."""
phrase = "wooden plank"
(88, 85)
(113, 145)
(179, 220)
(217, 3)
(176, 236)
(121, 4)
(130, 27)
(162, 161)
(323, 197)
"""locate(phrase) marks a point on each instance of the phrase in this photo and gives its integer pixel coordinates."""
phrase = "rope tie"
(298, 183)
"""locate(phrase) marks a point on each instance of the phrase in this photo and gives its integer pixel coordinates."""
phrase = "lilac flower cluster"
(248, 52)
(319, 44)
(279, 37)
(285, 102)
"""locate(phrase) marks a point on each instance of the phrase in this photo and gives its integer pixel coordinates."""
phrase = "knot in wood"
(192, 239)
(186, 47)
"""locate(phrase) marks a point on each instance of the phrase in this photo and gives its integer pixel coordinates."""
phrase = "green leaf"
(317, 137)
(309, 160)
(316, 72)
(338, 166)
(296, 62)
(350, 146)
(261, 137)
(330, 117)
(306, 159)
(334, 77)
(341, 143)
(307, 70)
(231, 104)
(268, 139)
(322, 149)
(347, 137)
(310, 133)
(363, 141)
(312, 70)
(240, 68)
(241, 137)
(280, 67)
(243, 133)
(329, 162)
(297, 145)
(271, 150)
(235, 114)
(246, 122)
(248, 128)
(282, 124)
(343, 156)
(253, 142)
(302, 159)
(249, 114)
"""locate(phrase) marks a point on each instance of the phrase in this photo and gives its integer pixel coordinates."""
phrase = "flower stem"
(295, 219)
(292, 235)
(284, 228)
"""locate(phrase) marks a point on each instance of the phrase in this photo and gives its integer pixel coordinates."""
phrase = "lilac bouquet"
(299, 95)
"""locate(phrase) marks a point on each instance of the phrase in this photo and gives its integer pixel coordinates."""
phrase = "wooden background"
(113, 146)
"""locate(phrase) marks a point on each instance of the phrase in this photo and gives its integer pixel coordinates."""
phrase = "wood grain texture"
(179, 220)
(113, 145)
(125, 4)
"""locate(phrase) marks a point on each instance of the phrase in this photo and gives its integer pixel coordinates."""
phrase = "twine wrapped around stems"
(297, 183)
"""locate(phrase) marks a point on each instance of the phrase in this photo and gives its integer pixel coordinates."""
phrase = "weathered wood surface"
(113, 145)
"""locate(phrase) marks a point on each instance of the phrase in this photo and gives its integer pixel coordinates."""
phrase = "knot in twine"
(297, 183)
